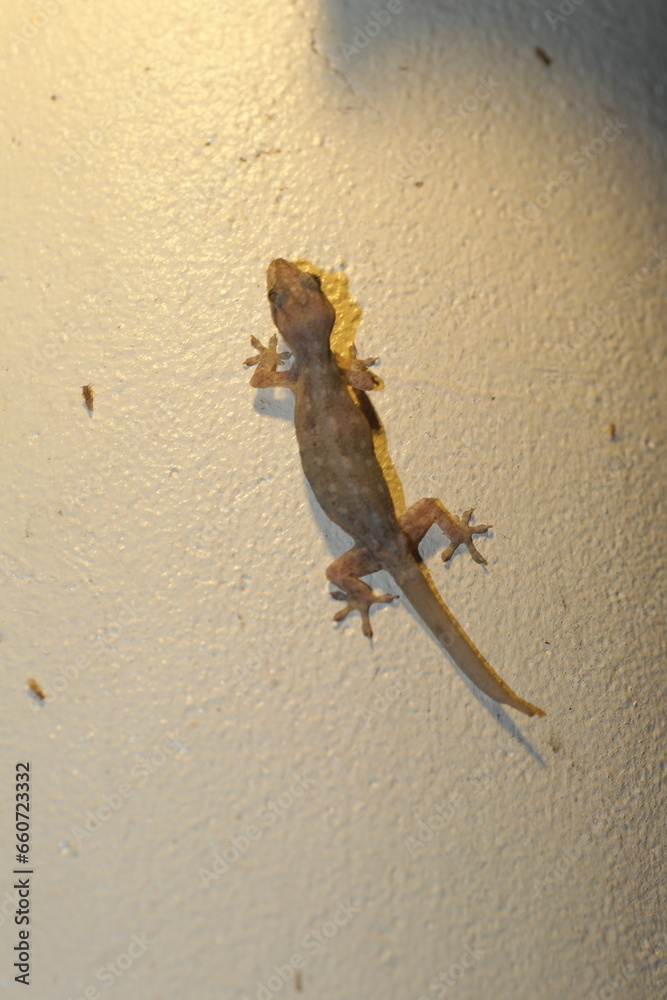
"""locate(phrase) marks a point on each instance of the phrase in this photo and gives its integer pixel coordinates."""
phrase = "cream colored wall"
(163, 561)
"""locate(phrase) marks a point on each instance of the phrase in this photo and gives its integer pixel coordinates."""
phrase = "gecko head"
(299, 307)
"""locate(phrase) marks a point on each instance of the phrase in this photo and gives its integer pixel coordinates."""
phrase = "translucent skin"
(339, 461)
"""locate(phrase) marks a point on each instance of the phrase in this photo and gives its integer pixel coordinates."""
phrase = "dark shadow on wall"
(617, 53)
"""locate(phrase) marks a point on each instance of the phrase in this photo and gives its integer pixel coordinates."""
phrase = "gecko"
(335, 442)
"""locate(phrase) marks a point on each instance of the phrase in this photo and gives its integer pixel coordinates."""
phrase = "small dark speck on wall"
(541, 54)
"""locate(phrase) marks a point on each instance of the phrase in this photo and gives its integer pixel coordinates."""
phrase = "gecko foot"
(356, 371)
(362, 604)
(461, 534)
(277, 356)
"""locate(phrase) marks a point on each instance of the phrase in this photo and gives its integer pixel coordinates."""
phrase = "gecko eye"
(316, 278)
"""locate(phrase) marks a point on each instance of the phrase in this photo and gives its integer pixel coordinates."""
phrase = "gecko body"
(338, 457)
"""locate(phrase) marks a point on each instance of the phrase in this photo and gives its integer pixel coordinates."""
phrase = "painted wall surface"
(231, 797)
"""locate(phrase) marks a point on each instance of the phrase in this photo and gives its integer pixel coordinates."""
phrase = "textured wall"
(501, 221)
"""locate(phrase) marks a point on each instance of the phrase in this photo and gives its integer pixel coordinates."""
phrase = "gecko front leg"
(266, 375)
(356, 371)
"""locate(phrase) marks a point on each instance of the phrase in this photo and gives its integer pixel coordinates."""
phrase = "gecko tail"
(435, 614)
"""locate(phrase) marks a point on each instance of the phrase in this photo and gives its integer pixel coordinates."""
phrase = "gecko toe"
(362, 604)
(476, 554)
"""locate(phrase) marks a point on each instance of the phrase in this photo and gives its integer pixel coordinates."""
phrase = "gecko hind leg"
(416, 521)
(344, 572)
